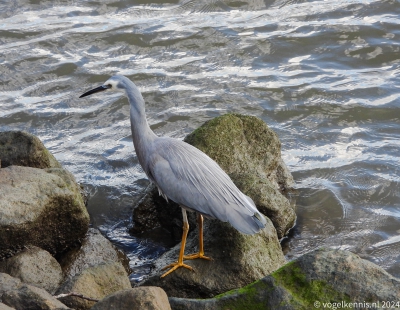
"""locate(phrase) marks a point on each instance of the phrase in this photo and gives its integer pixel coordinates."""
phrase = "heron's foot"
(175, 266)
(196, 255)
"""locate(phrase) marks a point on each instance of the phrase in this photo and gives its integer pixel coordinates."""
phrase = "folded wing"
(189, 177)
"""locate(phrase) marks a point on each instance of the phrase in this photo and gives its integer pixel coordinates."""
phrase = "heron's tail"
(245, 223)
(259, 218)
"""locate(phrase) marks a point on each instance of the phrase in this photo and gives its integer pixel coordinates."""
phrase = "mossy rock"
(20, 148)
(250, 153)
(239, 143)
(323, 276)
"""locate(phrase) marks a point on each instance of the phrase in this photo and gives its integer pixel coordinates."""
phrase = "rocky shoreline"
(48, 251)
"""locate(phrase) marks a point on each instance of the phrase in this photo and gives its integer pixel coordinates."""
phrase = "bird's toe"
(196, 255)
(175, 266)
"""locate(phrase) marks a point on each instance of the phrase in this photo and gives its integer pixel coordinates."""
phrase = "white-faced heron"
(185, 175)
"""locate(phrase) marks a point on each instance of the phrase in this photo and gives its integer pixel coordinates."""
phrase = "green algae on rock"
(322, 276)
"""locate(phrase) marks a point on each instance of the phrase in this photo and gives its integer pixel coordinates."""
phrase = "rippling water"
(323, 74)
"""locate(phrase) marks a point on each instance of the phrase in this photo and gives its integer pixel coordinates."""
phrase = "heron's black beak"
(96, 90)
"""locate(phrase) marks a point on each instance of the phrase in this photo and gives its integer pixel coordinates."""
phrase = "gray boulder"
(41, 207)
(36, 267)
(20, 148)
(95, 282)
(8, 283)
(323, 276)
(95, 249)
(238, 260)
(31, 297)
(146, 298)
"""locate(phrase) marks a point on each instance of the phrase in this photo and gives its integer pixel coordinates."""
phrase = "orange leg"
(180, 263)
(201, 246)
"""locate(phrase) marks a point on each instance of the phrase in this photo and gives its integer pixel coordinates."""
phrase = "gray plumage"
(183, 173)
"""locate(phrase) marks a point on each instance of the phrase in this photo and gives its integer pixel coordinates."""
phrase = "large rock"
(36, 267)
(320, 279)
(31, 297)
(95, 282)
(20, 148)
(250, 153)
(95, 249)
(42, 207)
(146, 298)
(238, 260)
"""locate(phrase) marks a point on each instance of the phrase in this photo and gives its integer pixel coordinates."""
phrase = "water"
(324, 75)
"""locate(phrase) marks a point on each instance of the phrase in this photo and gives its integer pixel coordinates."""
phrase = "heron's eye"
(109, 85)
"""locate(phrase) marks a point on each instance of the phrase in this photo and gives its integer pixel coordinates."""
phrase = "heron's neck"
(142, 134)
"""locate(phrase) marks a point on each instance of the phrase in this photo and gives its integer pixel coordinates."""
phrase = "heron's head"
(115, 83)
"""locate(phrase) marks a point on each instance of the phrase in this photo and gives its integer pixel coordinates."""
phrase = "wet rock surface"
(44, 208)
(42, 216)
